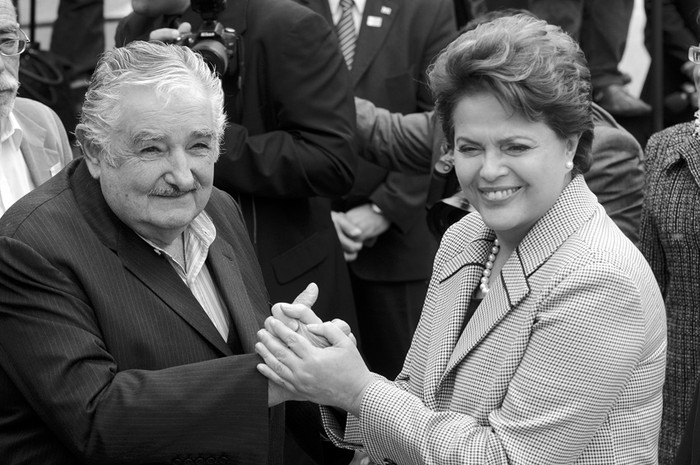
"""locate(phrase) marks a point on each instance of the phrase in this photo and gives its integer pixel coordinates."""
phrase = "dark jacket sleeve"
(312, 150)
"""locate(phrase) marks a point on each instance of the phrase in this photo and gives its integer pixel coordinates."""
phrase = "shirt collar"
(201, 228)
(9, 127)
(359, 4)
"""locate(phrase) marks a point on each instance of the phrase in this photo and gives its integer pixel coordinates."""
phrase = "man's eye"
(149, 151)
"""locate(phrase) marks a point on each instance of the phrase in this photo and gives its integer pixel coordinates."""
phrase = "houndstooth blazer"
(562, 363)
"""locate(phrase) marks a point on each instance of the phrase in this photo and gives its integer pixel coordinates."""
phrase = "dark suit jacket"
(105, 354)
(45, 145)
(291, 144)
(389, 70)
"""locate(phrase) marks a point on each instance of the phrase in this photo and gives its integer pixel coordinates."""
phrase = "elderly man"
(33, 142)
(130, 294)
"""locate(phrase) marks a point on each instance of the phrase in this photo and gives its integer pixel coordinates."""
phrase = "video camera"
(218, 45)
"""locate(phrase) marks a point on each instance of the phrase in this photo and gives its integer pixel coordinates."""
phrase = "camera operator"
(289, 147)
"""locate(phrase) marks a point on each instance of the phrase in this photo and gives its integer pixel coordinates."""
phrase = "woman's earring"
(569, 165)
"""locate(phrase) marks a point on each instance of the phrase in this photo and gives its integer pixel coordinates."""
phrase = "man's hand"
(348, 234)
(297, 315)
(371, 223)
(169, 35)
(276, 394)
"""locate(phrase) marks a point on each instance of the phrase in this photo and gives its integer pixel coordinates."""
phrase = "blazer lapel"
(507, 290)
(457, 280)
(42, 162)
(157, 274)
(228, 277)
(376, 23)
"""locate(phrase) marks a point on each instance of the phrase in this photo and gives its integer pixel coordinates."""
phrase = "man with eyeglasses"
(33, 142)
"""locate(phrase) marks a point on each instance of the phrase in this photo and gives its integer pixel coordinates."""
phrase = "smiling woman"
(543, 334)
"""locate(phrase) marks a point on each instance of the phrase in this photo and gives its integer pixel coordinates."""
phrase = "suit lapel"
(457, 281)
(158, 275)
(376, 23)
(229, 279)
(40, 159)
(498, 302)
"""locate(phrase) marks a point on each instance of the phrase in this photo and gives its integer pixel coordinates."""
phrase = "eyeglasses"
(694, 54)
(12, 47)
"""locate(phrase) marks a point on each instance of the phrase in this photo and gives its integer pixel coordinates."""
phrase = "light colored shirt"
(198, 236)
(357, 12)
(15, 179)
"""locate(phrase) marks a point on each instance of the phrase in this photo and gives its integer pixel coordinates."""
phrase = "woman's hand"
(335, 376)
(297, 315)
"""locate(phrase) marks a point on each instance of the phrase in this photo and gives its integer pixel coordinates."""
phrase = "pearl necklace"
(486, 274)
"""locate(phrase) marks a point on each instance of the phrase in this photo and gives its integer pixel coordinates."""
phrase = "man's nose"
(180, 172)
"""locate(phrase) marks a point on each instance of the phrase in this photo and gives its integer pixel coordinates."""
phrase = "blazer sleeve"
(52, 350)
(312, 150)
(586, 339)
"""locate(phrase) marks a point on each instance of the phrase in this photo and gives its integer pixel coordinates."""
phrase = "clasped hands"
(307, 359)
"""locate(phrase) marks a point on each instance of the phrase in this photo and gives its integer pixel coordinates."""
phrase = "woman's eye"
(468, 150)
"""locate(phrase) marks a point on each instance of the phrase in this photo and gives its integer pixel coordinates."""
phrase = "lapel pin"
(374, 21)
(385, 10)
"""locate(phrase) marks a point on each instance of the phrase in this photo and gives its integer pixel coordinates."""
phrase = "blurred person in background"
(670, 241)
(33, 142)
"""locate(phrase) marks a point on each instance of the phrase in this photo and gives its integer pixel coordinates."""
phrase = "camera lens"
(214, 54)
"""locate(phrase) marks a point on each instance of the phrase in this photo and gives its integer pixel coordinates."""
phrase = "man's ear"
(90, 153)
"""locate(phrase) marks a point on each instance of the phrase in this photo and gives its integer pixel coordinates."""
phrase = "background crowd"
(145, 241)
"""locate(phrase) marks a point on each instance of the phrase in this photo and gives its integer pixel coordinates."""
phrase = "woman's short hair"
(163, 67)
(530, 66)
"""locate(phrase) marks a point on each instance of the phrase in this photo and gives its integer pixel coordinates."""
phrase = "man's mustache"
(8, 83)
(172, 190)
